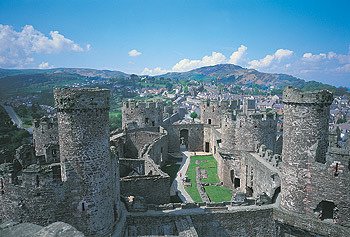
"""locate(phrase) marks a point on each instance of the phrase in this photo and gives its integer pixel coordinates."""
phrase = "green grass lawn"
(212, 176)
(218, 193)
(171, 170)
(215, 193)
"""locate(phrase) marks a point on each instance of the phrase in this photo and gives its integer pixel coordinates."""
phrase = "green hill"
(233, 74)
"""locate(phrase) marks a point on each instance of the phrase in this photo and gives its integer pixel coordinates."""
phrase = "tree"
(186, 89)
(193, 115)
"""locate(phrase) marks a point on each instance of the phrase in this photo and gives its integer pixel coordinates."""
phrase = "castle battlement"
(296, 96)
(81, 98)
(132, 104)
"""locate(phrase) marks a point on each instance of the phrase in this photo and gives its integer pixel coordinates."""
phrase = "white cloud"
(186, 64)
(134, 53)
(315, 58)
(153, 72)
(16, 48)
(345, 68)
(45, 65)
(269, 60)
(88, 47)
(238, 56)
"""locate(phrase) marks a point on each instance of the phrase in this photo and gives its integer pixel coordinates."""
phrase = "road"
(15, 118)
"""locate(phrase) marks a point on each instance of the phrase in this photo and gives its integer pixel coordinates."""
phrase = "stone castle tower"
(254, 130)
(87, 167)
(141, 114)
(315, 177)
(305, 128)
(212, 111)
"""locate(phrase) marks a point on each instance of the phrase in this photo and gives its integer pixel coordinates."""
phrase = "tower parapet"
(142, 114)
(296, 96)
(212, 111)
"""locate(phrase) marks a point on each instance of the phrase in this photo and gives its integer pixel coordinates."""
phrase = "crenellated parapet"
(81, 99)
(296, 96)
(139, 114)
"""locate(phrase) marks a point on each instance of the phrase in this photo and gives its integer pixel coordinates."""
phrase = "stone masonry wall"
(45, 132)
(154, 188)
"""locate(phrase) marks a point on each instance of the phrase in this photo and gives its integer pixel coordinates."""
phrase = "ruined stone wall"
(291, 224)
(136, 141)
(127, 165)
(229, 167)
(155, 189)
(305, 127)
(25, 155)
(173, 118)
(237, 223)
(158, 150)
(141, 114)
(86, 162)
(195, 137)
(38, 199)
(45, 132)
(259, 175)
(254, 130)
(329, 182)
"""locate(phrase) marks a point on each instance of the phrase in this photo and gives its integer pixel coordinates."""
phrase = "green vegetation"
(11, 137)
(193, 115)
(28, 114)
(212, 176)
(215, 193)
(211, 167)
(341, 120)
(115, 120)
(171, 170)
(218, 193)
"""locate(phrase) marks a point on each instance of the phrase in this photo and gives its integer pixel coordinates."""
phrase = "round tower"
(254, 130)
(305, 141)
(86, 164)
(228, 132)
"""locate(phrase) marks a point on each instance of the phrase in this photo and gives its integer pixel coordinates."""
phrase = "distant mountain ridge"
(86, 72)
(31, 79)
(230, 73)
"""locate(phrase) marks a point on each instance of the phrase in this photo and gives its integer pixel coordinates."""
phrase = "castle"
(112, 184)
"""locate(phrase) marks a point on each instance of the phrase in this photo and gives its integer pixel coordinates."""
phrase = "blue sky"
(307, 39)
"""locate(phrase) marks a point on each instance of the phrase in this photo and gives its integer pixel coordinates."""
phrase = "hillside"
(229, 73)
(86, 72)
(31, 80)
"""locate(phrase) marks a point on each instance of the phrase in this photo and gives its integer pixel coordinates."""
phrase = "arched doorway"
(184, 137)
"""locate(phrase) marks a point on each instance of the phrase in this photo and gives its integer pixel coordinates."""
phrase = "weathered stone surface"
(141, 114)
(59, 229)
